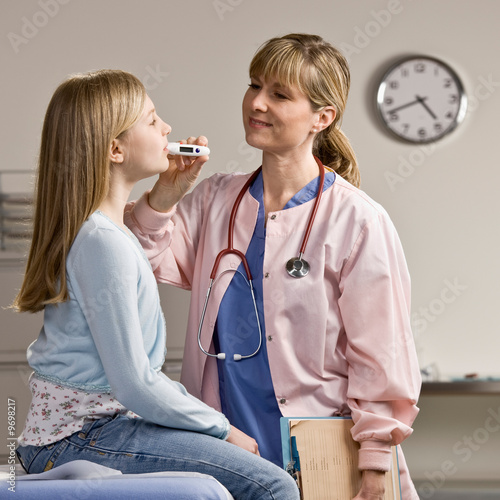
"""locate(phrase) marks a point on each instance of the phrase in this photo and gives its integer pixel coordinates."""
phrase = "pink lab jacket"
(339, 341)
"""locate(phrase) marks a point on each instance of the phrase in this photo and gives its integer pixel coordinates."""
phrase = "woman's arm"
(170, 240)
(384, 376)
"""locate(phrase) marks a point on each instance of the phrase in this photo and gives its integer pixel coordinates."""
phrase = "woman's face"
(277, 119)
(145, 144)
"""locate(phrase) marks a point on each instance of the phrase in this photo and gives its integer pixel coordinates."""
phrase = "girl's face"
(276, 118)
(145, 144)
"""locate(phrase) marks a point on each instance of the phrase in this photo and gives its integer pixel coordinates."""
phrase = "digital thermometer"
(176, 148)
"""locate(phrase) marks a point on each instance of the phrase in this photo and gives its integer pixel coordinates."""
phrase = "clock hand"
(421, 100)
(391, 111)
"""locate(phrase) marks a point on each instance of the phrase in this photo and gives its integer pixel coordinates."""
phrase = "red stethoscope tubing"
(231, 250)
(230, 232)
(316, 206)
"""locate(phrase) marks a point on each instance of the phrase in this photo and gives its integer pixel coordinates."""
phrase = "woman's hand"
(372, 485)
(240, 439)
(180, 177)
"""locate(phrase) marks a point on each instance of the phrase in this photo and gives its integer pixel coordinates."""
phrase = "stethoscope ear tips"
(222, 355)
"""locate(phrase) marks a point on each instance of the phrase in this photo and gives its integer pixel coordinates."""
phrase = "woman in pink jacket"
(316, 321)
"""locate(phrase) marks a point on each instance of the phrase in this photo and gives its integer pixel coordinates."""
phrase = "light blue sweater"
(110, 336)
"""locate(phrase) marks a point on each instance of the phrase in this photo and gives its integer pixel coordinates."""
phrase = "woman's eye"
(254, 86)
(280, 96)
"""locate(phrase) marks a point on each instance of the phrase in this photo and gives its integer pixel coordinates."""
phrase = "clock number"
(450, 115)
(453, 98)
(406, 127)
(438, 127)
(394, 84)
(394, 117)
(405, 72)
(388, 100)
(422, 133)
(420, 68)
(447, 83)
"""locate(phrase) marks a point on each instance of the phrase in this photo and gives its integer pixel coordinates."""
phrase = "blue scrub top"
(246, 388)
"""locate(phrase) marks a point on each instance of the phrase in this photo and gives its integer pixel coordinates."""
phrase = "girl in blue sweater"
(98, 393)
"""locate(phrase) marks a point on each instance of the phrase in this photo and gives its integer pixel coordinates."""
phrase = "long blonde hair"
(86, 113)
(320, 72)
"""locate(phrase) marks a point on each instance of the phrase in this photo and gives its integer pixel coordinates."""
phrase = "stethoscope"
(297, 267)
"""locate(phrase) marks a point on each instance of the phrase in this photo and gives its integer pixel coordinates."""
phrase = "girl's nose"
(166, 128)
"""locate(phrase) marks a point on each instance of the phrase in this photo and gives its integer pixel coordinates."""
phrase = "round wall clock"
(421, 99)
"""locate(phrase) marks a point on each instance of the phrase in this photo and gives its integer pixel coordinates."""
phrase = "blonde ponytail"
(334, 150)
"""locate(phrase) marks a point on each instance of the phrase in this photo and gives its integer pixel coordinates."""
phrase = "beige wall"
(193, 57)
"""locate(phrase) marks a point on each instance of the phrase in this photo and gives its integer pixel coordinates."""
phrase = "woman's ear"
(325, 118)
(116, 152)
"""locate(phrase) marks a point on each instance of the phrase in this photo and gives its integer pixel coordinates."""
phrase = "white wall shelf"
(466, 387)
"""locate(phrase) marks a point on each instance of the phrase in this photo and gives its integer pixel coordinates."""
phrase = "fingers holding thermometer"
(181, 175)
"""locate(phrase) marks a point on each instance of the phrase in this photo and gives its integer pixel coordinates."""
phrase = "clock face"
(421, 99)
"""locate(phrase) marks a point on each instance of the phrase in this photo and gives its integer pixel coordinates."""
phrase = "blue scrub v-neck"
(246, 389)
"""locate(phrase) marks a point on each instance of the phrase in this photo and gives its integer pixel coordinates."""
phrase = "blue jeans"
(135, 445)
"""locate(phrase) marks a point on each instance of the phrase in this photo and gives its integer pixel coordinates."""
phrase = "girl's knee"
(286, 488)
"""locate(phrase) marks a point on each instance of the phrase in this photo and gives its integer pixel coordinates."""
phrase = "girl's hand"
(180, 177)
(372, 485)
(240, 439)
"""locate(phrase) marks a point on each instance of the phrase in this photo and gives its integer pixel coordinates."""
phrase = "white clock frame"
(421, 99)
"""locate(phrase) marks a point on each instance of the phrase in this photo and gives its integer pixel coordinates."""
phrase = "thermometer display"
(176, 148)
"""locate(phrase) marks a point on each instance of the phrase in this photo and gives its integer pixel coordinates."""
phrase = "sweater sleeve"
(384, 377)
(107, 275)
(170, 240)
(154, 231)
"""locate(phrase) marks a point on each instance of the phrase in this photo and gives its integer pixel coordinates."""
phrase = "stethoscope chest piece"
(297, 267)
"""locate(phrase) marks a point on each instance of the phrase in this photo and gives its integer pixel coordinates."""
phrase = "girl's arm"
(107, 276)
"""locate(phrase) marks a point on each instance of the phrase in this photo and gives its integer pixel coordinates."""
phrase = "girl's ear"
(116, 152)
(325, 118)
